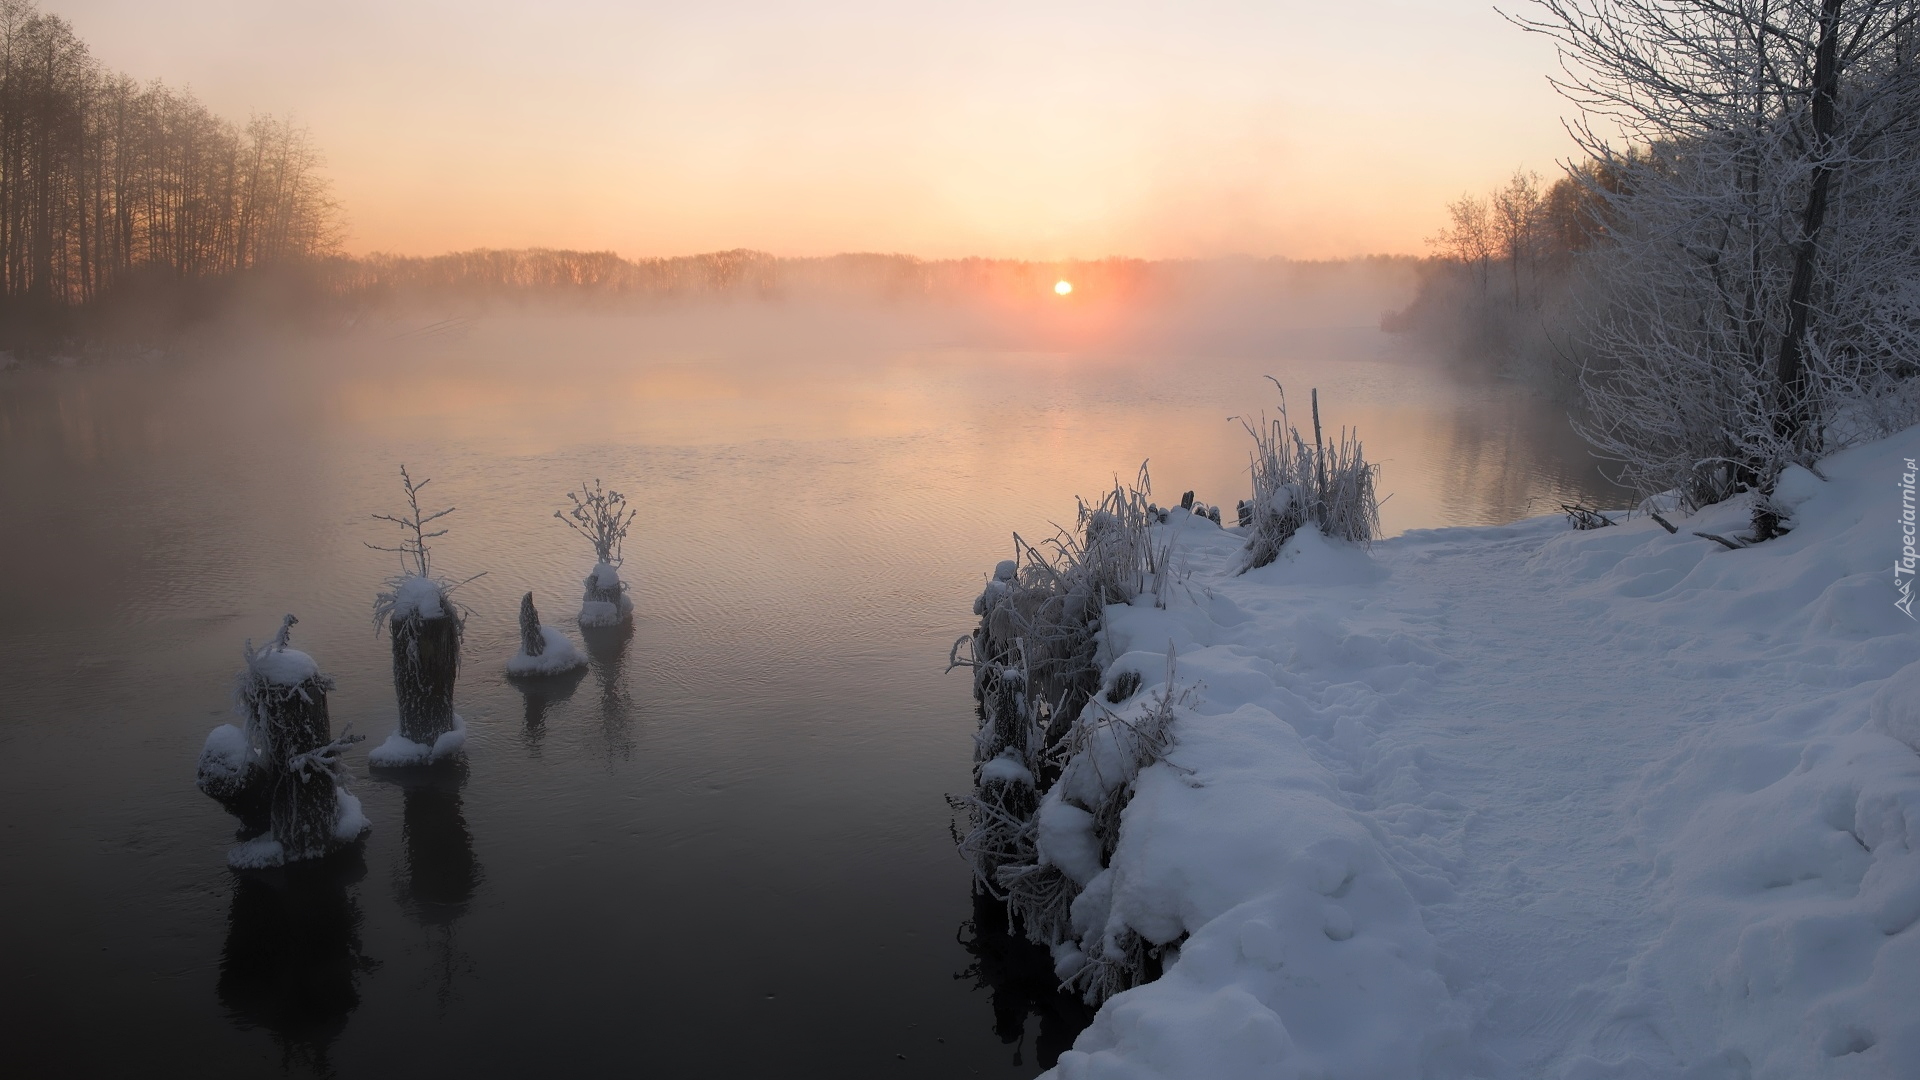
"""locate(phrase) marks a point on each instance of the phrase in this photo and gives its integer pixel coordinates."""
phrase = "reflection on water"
(292, 960)
(440, 871)
(607, 657)
(541, 694)
(1019, 977)
(748, 796)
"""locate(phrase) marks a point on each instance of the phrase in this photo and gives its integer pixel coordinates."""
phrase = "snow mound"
(225, 762)
(561, 655)
(352, 823)
(1522, 802)
(278, 665)
(605, 602)
(260, 853)
(400, 752)
(417, 596)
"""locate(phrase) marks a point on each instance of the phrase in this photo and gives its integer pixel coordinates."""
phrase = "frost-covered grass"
(1035, 659)
(1515, 802)
(1327, 485)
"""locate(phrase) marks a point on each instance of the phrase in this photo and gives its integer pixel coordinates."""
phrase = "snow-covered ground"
(1526, 802)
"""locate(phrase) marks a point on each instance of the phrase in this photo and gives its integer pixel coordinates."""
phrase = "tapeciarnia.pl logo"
(1903, 567)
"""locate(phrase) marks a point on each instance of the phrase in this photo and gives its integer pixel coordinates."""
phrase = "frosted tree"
(602, 517)
(426, 628)
(1755, 305)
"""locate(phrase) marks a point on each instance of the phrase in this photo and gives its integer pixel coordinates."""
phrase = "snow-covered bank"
(1520, 802)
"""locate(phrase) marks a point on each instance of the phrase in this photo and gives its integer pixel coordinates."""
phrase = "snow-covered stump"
(604, 601)
(603, 518)
(426, 660)
(544, 650)
(281, 774)
(425, 631)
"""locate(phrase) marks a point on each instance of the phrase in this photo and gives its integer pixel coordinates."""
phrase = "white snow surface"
(560, 656)
(352, 823)
(595, 613)
(226, 756)
(399, 751)
(1524, 802)
(416, 595)
(283, 667)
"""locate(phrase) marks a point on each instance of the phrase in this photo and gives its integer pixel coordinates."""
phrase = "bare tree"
(1469, 237)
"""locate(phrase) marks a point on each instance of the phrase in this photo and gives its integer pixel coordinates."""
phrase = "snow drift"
(1519, 802)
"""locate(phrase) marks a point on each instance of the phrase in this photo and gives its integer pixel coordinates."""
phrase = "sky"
(1070, 129)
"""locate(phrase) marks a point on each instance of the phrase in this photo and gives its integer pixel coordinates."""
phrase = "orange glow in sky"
(945, 128)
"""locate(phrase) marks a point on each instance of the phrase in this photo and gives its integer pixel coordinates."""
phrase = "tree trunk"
(1792, 420)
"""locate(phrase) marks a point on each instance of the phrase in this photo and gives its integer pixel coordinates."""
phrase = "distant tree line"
(104, 179)
(606, 276)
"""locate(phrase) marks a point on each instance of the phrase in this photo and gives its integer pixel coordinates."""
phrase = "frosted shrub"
(1330, 486)
(603, 518)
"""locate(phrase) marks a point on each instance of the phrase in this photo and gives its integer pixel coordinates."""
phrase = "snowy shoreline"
(1519, 801)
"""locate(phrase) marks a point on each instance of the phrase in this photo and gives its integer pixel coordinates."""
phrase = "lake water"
(725, 850)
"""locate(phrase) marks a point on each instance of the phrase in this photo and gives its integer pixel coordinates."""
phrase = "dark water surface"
(723, 851)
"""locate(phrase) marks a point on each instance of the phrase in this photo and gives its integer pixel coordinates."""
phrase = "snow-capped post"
(281, 773)
(602, 517)
(426, 629)
(544, 650)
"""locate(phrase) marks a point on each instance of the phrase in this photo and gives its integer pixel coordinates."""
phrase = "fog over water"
(724, 850)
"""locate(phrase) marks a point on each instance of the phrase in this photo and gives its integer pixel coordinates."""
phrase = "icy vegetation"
(544, 650)
(602, 517)
(1045, 732)
(280, 773)
(1513, 802)
(1328, 486)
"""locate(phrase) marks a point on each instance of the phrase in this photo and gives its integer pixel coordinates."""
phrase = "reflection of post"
(606, 647)
(1019, 978)
(292, 960)
(441, 871)
(540, 694)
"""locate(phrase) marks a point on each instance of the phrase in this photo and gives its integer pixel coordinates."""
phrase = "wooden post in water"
(279, 774)
(304, 807)
(426, 657)
(532, 641)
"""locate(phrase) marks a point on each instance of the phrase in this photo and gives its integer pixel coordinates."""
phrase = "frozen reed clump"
(279, 772)
(426, 628)
(1099, 955)
(603, 518)
(1330, 486)
(544, 650)
(1036, 674)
